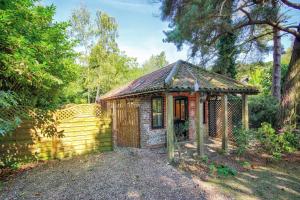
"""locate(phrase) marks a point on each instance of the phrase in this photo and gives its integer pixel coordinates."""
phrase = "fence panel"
(76, 130)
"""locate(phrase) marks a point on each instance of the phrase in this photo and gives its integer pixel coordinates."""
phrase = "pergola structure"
(203, 84)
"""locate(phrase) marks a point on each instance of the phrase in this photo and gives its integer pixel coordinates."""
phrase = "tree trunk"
(276, 75)
(290, 103)
(97, 94)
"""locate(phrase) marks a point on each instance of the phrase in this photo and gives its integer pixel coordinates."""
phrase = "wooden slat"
(81, 135)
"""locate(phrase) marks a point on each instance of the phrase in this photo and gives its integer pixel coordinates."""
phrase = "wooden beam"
(170, 127)
(245, 112)
(224, 104)
(199, 125)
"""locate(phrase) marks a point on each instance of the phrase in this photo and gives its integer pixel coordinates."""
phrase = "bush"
(263, 108)
(221, 170)
(276, 144)
(242, 138)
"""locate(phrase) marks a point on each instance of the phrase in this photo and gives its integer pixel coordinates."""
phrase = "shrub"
(263, 108)
(222, 170)
(242, 138)
(276, 144)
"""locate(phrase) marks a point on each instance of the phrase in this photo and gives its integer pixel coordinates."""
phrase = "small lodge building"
(181, 101)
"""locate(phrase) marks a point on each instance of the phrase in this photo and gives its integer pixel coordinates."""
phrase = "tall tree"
(290, 104)
(109, 66)
(36, 55)
(276, 74)
(36, 58)
(82, 29)
(198, 23)
(209, 28)
(226, 48)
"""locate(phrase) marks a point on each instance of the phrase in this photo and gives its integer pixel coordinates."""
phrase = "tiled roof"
(180, 76)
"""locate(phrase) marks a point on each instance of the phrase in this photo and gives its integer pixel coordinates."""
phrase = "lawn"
(274, 181)
(260, 178)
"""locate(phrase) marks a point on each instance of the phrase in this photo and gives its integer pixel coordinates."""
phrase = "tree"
(276, 74)
(109, 66)
(36, 59)
(198, 23)
(36, 55)
(155, 62)
(82, 29)
(209, 28)
(227, 51)
(290, 103)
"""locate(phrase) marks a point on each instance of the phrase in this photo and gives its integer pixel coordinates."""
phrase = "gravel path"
(123, 174)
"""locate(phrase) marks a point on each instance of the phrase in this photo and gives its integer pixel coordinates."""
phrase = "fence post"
(199, 125)
(224, 105)
(245, 112)
(170, 127)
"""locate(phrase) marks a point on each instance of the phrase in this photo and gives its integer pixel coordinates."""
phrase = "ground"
(259, 176)
(123, 174)
(129, 173)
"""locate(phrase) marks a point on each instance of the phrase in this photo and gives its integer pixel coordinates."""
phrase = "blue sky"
(140, 27)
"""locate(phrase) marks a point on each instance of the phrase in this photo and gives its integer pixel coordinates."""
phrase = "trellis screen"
(215, 114)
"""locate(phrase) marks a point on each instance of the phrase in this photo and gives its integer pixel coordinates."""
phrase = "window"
(157, 112)
(180, 109)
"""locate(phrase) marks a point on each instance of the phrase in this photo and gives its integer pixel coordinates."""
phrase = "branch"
(291, 4)
(267, 22)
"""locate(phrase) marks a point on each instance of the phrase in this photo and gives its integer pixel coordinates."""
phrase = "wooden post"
(170, 127)
(199, 125)
(245, 112)
(114, 123)
(224, 104)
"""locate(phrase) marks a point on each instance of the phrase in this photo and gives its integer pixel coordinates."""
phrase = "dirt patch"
(123, 174)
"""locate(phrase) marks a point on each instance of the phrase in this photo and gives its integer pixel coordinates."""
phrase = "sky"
(140, 27)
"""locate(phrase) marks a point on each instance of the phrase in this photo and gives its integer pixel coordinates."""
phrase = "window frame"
(161, 98)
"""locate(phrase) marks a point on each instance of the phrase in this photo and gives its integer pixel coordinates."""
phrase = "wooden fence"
(76, 130)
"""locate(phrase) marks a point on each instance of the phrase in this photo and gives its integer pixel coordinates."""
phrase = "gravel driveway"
(123, 174)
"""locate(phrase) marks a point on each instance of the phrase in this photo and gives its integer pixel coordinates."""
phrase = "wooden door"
(128, 126)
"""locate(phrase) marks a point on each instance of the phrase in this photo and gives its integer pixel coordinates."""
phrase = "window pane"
(177, 109)
(157, 112)
(182, 110)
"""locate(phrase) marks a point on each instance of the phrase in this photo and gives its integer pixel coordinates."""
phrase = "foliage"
(276, 144)
(180, 130)
(243, 138)
(154, 62)
(202, 24)
(105, 65)
(258, 74)
(222, 170)
(263, 108)
(227, 54)
(37, 59)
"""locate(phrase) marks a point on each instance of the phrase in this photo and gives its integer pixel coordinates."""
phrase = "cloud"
(152, 46)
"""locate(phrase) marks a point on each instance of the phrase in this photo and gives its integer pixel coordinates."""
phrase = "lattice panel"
(60, 115)
(215, 116)
(78, 110)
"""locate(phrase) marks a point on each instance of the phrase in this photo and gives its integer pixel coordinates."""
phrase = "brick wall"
(150, 137)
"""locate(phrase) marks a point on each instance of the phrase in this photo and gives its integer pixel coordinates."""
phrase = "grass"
(274, 181)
